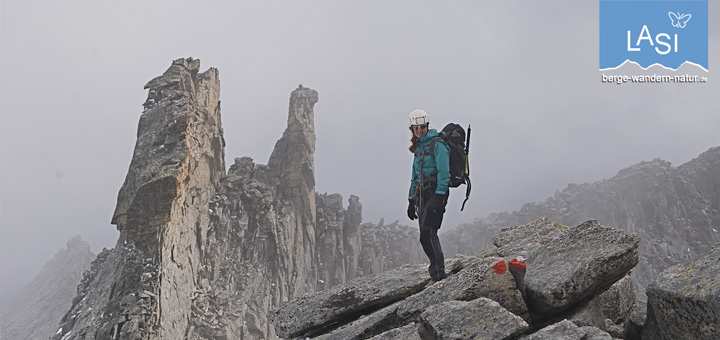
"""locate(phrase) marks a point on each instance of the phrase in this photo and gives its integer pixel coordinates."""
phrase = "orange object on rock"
(500, 267)
(518, 265)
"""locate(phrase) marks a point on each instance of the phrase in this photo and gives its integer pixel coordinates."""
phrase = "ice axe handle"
(467, 141)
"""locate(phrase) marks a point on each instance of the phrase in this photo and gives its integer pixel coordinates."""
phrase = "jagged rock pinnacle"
(292, 160)
(179, 139)
(143, 288)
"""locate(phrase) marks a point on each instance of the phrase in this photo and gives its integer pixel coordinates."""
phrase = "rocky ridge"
(206, 255)
(675, 210)
(34, 312)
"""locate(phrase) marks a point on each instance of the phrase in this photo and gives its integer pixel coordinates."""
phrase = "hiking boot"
(432, 282)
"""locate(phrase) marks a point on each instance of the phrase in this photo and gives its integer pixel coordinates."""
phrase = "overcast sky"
(523, 73)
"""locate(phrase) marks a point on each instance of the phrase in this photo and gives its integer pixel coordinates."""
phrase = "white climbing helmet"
(418, 117)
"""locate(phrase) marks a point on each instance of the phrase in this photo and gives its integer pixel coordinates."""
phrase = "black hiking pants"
(430, 221)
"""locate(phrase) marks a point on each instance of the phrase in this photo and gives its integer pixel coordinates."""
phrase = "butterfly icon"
(678, 20)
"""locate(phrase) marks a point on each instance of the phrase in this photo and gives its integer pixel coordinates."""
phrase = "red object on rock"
(500, 267)
(518, 265)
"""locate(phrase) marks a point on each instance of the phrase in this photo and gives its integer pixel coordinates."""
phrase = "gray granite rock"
(477, 319)
(684, 301)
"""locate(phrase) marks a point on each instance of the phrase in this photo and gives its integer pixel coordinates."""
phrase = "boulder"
(567, 265)
(684, 300)
(478, 319)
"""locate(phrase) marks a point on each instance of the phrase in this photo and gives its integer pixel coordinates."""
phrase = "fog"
(524, 74)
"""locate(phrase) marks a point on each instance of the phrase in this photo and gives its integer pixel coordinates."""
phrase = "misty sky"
(523, 73)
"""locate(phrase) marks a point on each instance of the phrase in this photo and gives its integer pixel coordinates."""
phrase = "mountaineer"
(429, 189)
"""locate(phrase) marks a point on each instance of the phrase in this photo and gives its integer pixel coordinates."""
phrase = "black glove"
(411, 210)
(437, 203)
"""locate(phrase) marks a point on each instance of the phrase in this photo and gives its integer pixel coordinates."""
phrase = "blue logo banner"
(667, 33)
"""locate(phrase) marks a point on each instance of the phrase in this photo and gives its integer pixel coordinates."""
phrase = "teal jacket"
(432, 167)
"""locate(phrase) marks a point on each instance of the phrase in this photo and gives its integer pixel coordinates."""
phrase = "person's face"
(419, 130)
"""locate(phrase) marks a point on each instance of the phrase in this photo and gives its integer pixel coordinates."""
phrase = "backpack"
(453, 135)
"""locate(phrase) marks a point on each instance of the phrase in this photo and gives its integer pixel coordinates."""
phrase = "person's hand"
(411, 210)
(437, 203)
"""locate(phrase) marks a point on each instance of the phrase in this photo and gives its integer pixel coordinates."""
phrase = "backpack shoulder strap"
(432, 145)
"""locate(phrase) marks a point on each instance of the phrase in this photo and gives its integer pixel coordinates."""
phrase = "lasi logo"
(640, 32)
(679, 20)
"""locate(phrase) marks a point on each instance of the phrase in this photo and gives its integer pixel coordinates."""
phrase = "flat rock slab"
(310, 315)
(684, 300)
(478, 319)
(568, 264)
(566, 330)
